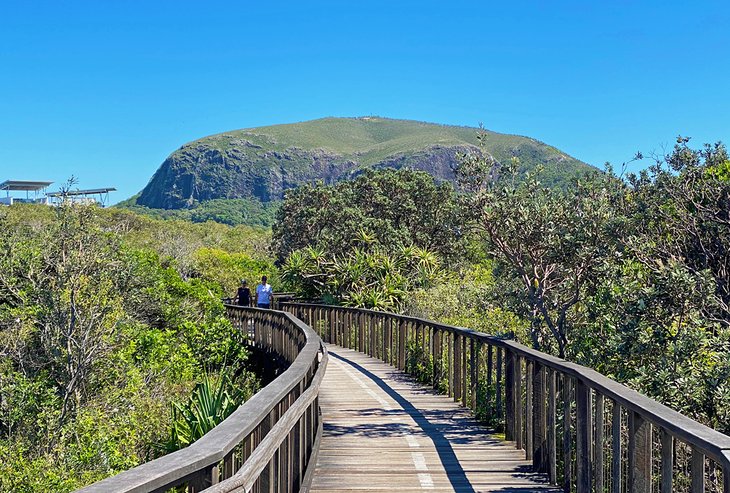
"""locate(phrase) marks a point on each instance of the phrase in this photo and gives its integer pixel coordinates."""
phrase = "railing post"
(583, 431)
(229, 465)
(388, 337)
(639, 454)
(457, 367)
(333, 326)
(529, 411)
(539, 426)
(488, 386)
(464, 374)
(698, 471)
(667, 461)
(498, 388)
(347, 322)
(402, 345)
(552, 467)
(385, 341)
(371, 328)
(510, 432)
(567, 434)
(450, 356)
(517, 406)
(616, 448)
(361, 331)
(436, 356)
(598, 444)
(474, 349)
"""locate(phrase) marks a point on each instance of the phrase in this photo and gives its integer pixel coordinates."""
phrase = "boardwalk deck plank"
(383, 432)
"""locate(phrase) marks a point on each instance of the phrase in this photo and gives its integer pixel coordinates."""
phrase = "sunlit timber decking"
(385, 432)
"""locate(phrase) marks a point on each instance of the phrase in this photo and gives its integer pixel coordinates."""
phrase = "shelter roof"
(24, 185)
(89, 191)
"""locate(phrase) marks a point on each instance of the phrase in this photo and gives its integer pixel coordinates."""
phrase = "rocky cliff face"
(263, 163)
(198, 172)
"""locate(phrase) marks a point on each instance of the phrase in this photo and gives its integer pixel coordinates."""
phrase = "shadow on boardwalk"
(443, 447)
(451, 464)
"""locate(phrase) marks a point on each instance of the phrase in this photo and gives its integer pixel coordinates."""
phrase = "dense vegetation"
(240, 177)
(113, 340)
(111, 333)
(629, 275)
(249, 212)
(377, 205)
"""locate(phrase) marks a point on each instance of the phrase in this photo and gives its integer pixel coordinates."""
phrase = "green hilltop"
(372, 139)
(241, 175)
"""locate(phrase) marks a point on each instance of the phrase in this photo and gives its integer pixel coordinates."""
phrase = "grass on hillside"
(370, 140)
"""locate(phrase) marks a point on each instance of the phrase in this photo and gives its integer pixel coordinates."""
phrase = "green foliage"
(659, 317)
(648, 329)
(630, 277)
(183, 245)
(470, 299)
(367, 277)
(387, 207)
(210, 403)
(233, 212)
(229, 268)
(103, 324)
(419, 362)
(551, 241)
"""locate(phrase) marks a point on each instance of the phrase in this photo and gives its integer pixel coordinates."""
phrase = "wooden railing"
(267, 444)
(584, 431)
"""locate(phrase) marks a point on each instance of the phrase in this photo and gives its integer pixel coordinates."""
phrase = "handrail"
(292, 398)
(245, 478)
(585, 431)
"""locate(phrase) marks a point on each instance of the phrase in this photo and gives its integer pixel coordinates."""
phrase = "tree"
(367, 276)
(99, 333)
(393, 207)
(70, 277)
(659, 318)
(552, 241)
(683, 214)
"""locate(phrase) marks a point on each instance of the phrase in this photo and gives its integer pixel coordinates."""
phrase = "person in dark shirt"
(243, 296)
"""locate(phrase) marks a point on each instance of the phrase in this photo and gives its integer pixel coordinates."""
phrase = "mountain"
(244, 173)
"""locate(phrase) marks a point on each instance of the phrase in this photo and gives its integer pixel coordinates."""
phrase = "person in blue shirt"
(263, 294)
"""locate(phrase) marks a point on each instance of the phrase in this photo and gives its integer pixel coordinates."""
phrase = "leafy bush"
(102, 327)
(368, 276)
(389, 207)
(212, 401)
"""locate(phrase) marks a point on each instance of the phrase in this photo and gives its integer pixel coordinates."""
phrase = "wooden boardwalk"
(384, 432)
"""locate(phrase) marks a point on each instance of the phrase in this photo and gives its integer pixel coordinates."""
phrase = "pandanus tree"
(368, 276)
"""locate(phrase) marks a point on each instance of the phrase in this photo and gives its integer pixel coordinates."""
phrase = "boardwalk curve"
(366, 425)
(385, 432)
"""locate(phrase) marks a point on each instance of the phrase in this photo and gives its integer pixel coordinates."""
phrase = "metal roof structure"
(76, 193)
(40, 196)
(32, 186)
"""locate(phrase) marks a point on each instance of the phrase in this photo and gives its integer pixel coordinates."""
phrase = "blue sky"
(106, 90)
